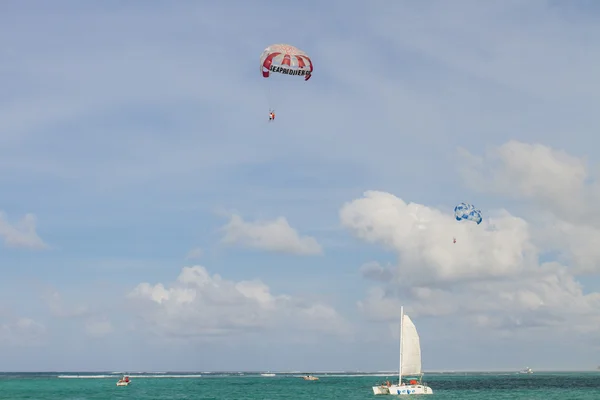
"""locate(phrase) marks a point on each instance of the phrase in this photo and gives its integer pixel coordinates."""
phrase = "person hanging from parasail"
(286, 61)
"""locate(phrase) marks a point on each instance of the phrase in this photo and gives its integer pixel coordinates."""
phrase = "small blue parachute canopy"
(465, 211)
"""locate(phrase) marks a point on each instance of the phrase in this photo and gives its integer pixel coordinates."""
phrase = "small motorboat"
(310, 378)
(124, 381)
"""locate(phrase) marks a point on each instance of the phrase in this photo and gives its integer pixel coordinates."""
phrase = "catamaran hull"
(402, 390)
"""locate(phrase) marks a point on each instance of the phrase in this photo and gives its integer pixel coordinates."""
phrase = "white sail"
(410, 363)
(411, 348)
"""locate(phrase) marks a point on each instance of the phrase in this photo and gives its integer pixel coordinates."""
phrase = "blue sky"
(134, 143)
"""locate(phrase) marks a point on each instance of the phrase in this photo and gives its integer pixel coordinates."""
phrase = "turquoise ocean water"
(224, 386)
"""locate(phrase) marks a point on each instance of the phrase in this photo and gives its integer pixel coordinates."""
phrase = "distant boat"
(267, 374)
(310, 378)
(124, 381)
(526, 371)
(410, 362)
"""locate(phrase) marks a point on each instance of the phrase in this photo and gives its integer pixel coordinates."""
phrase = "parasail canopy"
(287, 60)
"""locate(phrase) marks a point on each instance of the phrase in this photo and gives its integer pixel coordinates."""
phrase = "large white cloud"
(275, 235)
(423, 238)
(492, 275)
(560, 189)
(199, 305)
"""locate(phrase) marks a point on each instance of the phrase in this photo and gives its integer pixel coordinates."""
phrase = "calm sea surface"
(480, 386)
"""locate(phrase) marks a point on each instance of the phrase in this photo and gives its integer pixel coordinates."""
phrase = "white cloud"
(551, 178)
(562, 194)
(276, 235)
(22, 234)
(21, 332)
(423, 238)
(194, 253)
(198, 305)
(492, 276)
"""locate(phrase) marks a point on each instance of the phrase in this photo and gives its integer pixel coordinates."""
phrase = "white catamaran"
(410, 362)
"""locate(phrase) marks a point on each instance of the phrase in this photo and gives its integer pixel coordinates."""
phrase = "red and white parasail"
(287, 60)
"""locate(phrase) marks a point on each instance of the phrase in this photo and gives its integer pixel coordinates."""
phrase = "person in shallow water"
(271, 115)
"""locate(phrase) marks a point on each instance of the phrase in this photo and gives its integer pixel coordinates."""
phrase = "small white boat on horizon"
(268, 374)
(410, 363)
(124, 381)
(526, 371)
(310, 378)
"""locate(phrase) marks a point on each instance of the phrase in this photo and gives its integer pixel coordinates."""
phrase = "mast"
(401, 325)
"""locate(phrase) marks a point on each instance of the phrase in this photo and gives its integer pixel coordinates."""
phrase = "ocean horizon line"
(432, 371)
